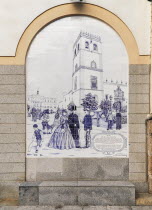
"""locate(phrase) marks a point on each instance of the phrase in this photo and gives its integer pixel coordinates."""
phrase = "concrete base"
(83, 193)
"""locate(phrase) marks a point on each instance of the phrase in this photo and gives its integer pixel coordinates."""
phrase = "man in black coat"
(74, 126)
(87, 121)
(118, 121)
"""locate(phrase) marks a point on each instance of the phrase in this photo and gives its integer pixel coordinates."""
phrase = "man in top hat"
(74, 126)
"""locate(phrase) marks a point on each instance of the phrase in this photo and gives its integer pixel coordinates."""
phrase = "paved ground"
(77, 208)
(143, 202)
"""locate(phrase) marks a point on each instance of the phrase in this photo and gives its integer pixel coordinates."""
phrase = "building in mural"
(87, 75)
(41, 102)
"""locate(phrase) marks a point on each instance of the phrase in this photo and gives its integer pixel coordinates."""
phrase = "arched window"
(94, 82)
(93, 64)
(75, 52)
(87, 45)
(95, 47)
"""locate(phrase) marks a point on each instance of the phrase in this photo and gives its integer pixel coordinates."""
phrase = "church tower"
(87, 74)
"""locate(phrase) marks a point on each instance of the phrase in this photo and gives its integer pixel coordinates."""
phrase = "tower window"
(75, 52)
(78, 47)
(95, 47)
(87, 45)
(93, 64)
(75, 83)
(94, 83)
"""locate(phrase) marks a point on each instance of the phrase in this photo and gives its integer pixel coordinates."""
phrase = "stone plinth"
(83, 193)
(77, 169)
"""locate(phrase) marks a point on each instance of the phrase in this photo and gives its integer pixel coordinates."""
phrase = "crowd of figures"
(65, 129)
(110, 120)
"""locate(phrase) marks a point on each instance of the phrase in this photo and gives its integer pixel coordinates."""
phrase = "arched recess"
(66, 10)
(76, 9)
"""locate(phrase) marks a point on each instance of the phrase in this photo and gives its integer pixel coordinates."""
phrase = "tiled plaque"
(77, 91)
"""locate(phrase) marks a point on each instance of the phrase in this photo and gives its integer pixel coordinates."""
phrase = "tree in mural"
(89, 103)
(106, 105)
(117, 106)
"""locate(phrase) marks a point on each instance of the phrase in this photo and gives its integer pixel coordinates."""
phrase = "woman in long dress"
(62, 137)
(55, 124)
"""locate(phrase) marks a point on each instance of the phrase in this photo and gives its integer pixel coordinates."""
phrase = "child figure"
(38, 136)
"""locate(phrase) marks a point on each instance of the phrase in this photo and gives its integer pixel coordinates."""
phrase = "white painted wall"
(16, 15)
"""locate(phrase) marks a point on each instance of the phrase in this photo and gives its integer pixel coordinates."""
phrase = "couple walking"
(66, 131)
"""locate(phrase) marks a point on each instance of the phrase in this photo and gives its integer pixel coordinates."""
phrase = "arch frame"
(73, 9)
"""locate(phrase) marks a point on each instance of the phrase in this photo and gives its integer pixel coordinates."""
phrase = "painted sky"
(50, 58)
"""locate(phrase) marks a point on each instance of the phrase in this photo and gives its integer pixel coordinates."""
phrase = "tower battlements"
(112, 82)
(87, 35)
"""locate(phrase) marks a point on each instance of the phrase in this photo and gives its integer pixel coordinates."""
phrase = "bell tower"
(87, 74)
